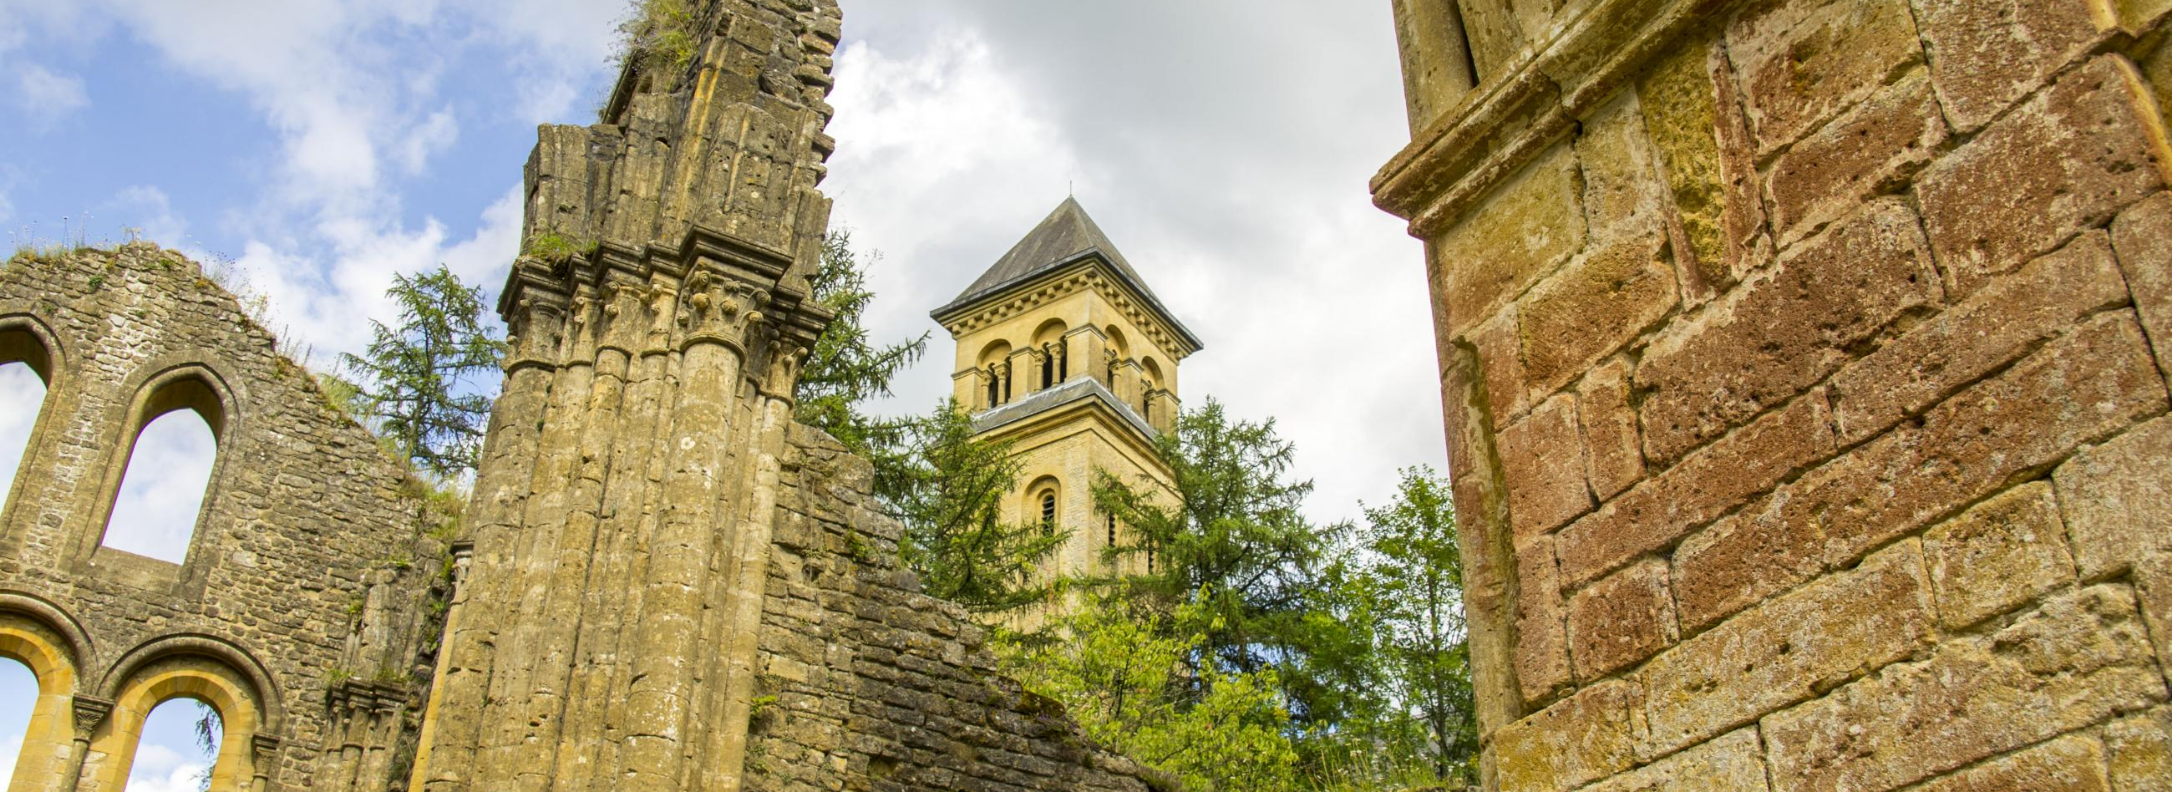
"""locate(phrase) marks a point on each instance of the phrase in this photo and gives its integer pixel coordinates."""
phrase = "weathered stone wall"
(1804, 368)
(868, 684)
(304, 592)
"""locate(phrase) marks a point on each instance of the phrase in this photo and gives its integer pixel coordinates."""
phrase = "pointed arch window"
(26, 372)
(165, 481)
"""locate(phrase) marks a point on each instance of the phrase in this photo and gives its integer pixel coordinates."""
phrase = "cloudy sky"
(323, 146)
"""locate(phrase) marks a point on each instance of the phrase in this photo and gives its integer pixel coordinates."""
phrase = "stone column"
(89, 713)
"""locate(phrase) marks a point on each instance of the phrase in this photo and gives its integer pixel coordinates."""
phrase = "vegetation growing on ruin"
(419, 381)
(556, 247)
(657, 38)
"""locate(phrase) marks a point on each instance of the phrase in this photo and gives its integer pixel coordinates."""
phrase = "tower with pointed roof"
(1064, 351)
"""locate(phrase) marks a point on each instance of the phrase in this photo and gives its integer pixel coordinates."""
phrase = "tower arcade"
(1064, 351)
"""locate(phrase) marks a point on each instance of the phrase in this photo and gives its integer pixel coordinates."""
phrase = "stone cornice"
(1513, 117)
(1088, 274)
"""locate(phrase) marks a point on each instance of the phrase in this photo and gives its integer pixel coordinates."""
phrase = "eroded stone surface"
(1733, 763)
(1786, 650)
(2080, 659)
(1987, 54)
(1610, 430)
(2068, 159)
(1621, 619)
(1998, 556)
(2068, 764)
(1782, 332)
(1802, 62)
(1543, 458)
(1585, 737)
(2117, 498)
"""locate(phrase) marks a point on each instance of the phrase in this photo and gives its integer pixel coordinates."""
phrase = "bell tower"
(1064, 351)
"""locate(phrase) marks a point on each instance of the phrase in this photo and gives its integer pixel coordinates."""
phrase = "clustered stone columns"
(608, 631)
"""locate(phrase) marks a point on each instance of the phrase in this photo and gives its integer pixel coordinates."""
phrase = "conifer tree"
(845, 369)
(419, 383)
(950, 500)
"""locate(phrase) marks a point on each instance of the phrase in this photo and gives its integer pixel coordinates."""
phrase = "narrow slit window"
(1112, 530)
(1048, 513)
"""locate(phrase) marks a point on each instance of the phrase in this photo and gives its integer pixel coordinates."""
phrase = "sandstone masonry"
(1804, 371)
(663, 584)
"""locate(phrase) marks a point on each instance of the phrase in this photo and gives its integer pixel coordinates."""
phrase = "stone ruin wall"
(304, 606)
(661, 583)
(1805, 377)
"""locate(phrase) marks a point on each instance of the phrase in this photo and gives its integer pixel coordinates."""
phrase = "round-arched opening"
(211, 727)
(1050, 332)
(162, 490)
(1152, 371)
(995, 353)
(1117, 343)
(179, 747)
(1043, 505)
(18, 697)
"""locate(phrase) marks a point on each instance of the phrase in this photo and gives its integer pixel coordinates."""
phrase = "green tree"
(1416, 579)
(949, 496)
(1234, 544)
(420, 385)
(845, 369)
(1124, 680)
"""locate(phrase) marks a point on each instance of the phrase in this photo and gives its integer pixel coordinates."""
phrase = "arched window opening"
(1048, 513)
(18, 696)
(22, 398)
(1048, 367)
(1112, 530)
(168, 473)
(179, 747)
(995, 392)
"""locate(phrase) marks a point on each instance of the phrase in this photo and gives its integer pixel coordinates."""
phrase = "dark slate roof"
(1066, 237)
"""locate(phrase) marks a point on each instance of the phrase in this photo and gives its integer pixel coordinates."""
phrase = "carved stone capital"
(89, 712)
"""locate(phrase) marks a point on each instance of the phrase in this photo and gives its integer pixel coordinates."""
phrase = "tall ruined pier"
(1804, 364)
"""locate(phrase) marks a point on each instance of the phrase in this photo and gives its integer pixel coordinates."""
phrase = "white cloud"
(429, 139)
(162, 493)
(1224, 147)
(147, 210)
(48, 97)
(159, 768)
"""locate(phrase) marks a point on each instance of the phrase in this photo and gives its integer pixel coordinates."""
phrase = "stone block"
(1782, 331)
(2067, 764)
(1624, 193)
(1733, 763)
(1592, 308)
(1611, 444)
(1988, 54)
(1501, 364)
(2004, 319)
(2141, 752)
(1860, 154)
(2078, 660)
(2068, 159)
(1542, 459)
(1788, 650)
(2139, 15)
(1998, 556)
(1803, 62)
(2117, 499)
(1542, 646)
(1700, 488)
(2153, 585)
(2143, 238)
(2084, 386)
(1585, 737)
(1696, 126)
(1622, 619)
(1528, 226)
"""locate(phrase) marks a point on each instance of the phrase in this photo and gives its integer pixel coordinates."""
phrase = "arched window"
(168, 473)
(160, 714)
(37, 683)
(26, 369)
(995, 357)
(1048, 512)
(179, 747)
